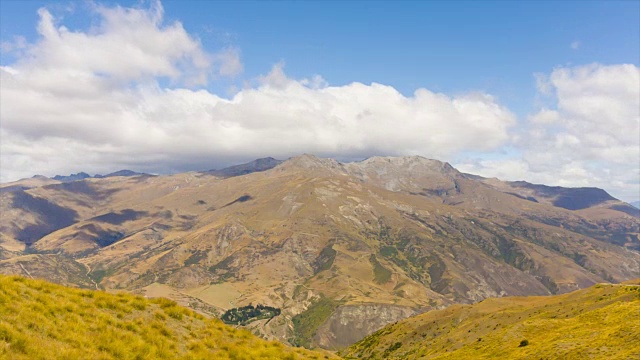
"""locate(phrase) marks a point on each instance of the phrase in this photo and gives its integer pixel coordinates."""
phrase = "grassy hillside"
(39, 320)
(601, 322)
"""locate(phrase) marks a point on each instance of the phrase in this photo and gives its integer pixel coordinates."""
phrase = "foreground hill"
(341, 249)
(601, 322)
(39, 320)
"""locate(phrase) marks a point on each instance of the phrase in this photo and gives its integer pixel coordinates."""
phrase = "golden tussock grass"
(601, 322)
(39, 320)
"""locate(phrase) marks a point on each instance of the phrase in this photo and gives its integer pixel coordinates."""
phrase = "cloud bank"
(131, 92)
(589, 135)
(93, 101)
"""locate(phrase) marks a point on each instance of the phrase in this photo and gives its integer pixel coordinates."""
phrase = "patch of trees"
(246, 314)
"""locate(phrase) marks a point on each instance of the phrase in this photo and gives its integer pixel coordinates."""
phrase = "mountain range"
(342, 249)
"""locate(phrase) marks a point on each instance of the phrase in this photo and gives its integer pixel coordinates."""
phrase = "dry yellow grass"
(601, 322)
(39, 320)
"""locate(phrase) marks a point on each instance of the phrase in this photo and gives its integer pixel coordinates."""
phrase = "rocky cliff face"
(350, 323)
(409, 174)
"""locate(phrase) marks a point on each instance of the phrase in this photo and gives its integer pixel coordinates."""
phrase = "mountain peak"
(308, 161)
(405, 161)
(407, 173)
(72, 177)
(407, 165)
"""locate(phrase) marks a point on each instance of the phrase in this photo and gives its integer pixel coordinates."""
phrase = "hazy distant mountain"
(636, 204)
(341, 248)
(83, 175)
(72, 177)
(40, 180)
(121, 173)
(23, 184)
(248, 168)
(568, 198)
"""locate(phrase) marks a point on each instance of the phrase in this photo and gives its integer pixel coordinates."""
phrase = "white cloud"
(591, 137)
(600, 107)
(281, 117)
(126, 44)
(230, 63)
(545, 116)
(91, 101)
(575, 45)
(18, 43)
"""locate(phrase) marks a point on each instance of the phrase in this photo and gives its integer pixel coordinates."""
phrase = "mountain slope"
(600, 322)
(23, 184)
(342, 249)
(39, 320)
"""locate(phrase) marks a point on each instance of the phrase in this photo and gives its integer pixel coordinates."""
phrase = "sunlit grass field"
(40, 320)
(600, 322)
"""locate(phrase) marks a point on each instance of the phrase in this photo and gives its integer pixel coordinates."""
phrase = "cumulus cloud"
(128, 43)
(281, 117)
(230, 63)
(121, 95)
(589, 136)
(91, 100)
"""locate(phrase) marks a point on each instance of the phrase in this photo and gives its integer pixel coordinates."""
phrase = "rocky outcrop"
(350, 323)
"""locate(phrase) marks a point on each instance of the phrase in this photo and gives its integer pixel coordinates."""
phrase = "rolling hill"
(40, 320)
(342, 249)
(600, 322)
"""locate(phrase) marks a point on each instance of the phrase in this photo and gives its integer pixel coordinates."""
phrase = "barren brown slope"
(22, 184)
(343, 249)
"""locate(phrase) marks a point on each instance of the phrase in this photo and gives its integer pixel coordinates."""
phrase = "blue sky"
(448, 46)
(501, 49)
